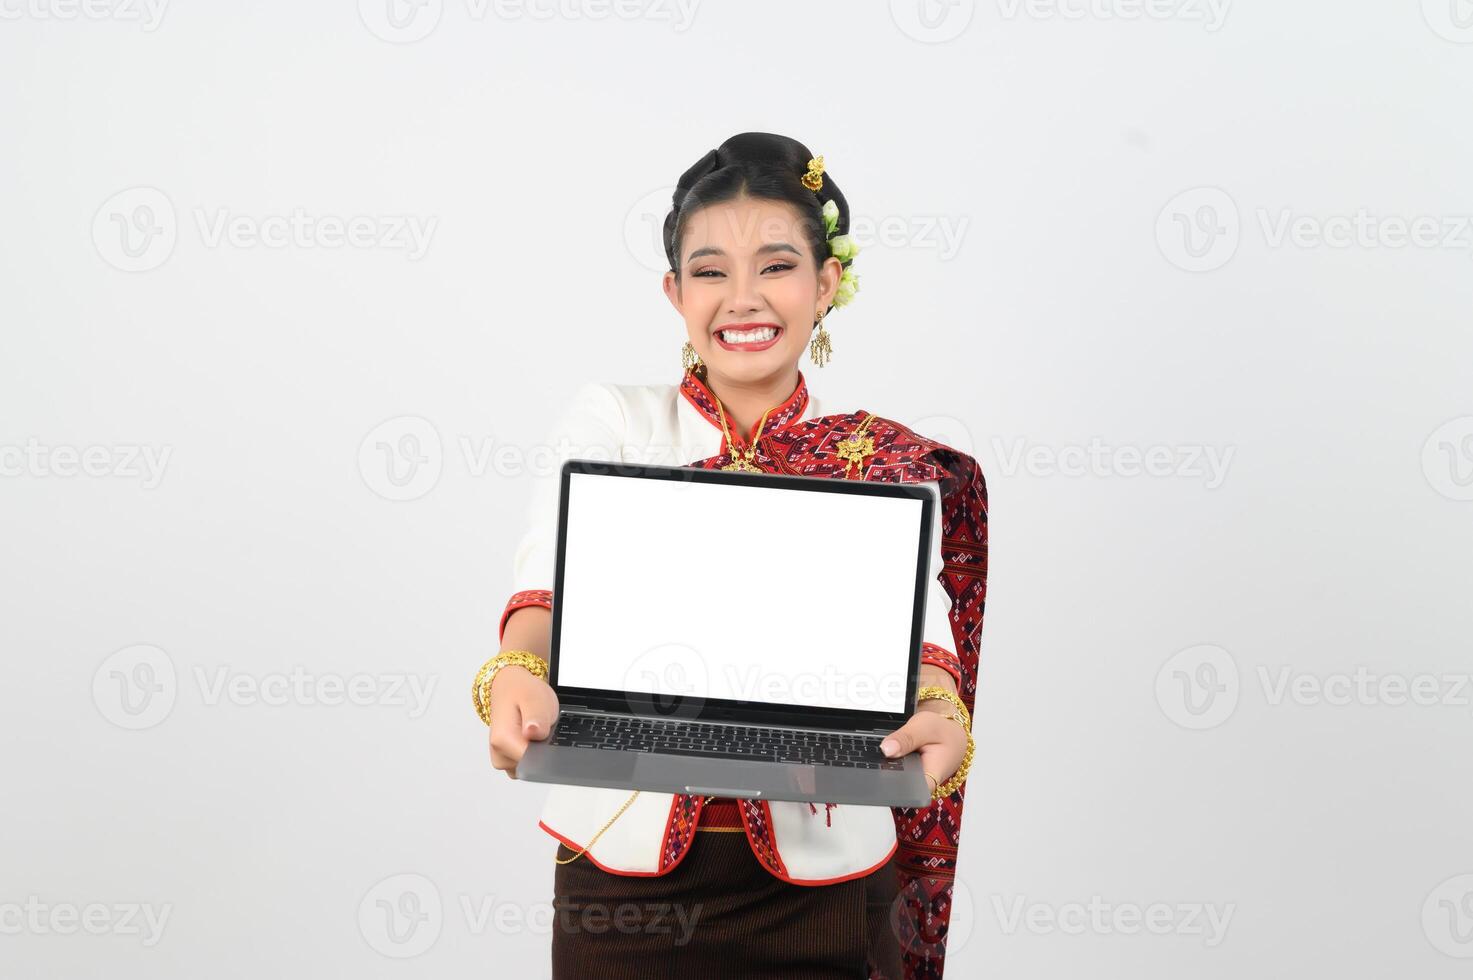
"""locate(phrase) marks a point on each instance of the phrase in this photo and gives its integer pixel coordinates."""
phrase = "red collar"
(700, 396)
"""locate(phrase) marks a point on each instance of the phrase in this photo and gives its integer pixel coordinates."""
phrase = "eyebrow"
(763, 250)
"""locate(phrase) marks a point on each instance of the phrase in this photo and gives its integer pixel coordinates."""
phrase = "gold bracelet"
(963, 718)
(481, 686)
(942, 694)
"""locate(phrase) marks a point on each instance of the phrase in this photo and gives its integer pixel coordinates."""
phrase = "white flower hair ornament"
(842, 247)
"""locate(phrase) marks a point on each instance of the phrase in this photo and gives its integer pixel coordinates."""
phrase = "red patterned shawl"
(928, 836)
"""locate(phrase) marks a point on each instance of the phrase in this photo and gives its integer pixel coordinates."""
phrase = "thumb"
(901, 741)
(538, 715)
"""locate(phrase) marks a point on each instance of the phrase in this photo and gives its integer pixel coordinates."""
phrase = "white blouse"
(657, 424)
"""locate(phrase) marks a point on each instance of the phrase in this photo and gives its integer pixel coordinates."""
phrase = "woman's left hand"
(941, 741)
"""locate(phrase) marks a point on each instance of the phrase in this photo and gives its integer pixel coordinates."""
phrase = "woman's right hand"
(523, 709)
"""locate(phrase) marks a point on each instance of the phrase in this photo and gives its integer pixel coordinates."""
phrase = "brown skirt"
(720, 914)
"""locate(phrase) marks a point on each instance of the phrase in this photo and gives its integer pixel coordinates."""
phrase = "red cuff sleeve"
(519, 600)
(943, 658)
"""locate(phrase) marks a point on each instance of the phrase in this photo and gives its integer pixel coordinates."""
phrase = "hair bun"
(766, 166)
(705, 165)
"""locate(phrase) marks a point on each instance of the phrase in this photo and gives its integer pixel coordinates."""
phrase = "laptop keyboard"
(711, 740)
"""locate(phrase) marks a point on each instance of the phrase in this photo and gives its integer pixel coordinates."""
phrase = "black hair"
(765, 166)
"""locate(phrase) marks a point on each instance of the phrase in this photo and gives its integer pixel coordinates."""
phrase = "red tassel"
(828, 814)
(812, 808)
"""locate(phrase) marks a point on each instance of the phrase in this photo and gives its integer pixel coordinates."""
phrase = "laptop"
(737, 634)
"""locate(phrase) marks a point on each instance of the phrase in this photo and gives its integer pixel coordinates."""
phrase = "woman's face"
(749, 289)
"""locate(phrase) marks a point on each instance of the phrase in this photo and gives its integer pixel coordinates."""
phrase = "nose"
(744, 296)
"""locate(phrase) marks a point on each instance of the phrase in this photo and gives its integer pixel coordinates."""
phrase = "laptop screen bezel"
(727, 709)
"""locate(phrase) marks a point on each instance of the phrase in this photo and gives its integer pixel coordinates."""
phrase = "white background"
(1113, 177)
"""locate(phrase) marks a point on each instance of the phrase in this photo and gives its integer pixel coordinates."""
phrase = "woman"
(759, 254)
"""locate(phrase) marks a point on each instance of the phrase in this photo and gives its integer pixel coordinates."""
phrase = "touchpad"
(713, 776)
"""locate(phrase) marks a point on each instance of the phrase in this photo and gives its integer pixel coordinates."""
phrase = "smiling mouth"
(752, 338)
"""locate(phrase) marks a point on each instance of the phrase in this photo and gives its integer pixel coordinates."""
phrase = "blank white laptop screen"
(752, 593)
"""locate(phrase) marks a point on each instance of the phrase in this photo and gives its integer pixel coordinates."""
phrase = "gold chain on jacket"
(607, 825)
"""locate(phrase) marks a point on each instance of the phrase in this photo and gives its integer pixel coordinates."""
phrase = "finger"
(921, 730)
(501, 760)
(539, 713)
(506, 735)
(907, 738)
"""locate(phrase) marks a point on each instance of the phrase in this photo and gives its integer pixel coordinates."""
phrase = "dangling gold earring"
(820, 350)
(690, 360)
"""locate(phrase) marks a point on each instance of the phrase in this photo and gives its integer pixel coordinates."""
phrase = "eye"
(708, 273)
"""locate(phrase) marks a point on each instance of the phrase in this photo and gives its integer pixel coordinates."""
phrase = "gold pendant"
(742, 462)
(853, 449)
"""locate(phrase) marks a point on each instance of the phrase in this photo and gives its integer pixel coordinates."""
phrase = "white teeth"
(748, 336)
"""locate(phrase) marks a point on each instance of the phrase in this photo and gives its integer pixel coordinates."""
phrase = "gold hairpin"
(813, 179)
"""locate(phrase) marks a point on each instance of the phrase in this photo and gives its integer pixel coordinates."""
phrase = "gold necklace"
(606, 826)
(742, 463)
